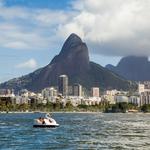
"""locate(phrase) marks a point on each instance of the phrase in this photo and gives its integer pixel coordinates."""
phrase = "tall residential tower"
(95, 91)
(77, 90)
(63, 85)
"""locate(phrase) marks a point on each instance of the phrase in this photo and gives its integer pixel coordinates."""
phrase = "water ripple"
(77, 131)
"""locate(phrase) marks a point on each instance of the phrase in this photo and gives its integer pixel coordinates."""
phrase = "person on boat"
(39, 120)
(43, 121)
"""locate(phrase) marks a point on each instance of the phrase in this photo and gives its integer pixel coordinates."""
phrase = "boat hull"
(45, 126)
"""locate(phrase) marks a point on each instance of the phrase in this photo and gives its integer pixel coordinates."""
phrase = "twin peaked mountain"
(73, 60)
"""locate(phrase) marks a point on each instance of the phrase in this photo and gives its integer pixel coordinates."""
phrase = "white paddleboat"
(47, 122)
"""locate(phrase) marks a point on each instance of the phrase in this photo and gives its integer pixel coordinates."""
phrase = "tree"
(123, 106)
(145, 108)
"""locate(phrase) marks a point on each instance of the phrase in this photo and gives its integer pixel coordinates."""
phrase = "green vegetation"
(145, 108)
(59, 106)
(93, 108)
(121, 107)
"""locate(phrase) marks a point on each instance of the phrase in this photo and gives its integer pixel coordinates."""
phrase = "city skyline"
(74, 74)
(32, 36)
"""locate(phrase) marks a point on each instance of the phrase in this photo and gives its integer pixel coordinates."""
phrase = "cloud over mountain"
(73, 60)
(115, 28)
(111, 27)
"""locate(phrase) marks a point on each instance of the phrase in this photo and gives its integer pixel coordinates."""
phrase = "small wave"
(2, 123)
(137, 124)
(112, 122)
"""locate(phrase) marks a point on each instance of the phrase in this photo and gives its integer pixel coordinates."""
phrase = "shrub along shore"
(58, 107)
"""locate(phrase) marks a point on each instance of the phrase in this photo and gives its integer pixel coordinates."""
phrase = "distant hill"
(132, 68)
(73, 60)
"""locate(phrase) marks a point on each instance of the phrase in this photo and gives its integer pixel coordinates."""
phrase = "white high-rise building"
(95, 91)
(145, 98)
(141, 88)
(77, 90)
(49, 92)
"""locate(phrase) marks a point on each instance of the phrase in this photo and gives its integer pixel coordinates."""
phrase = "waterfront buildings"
(49, 92)
(111, 92)
(75, 100)
(109, 98)
(143, 87)
(74, 94)
(121, 99)
(63, 85)
(135, 100)
(77, 90)
(7, 96)
(145, 98)
(70, 90)
(144, 92)
(91, 101)
(114, 92)
(7, 93)
(95, 91)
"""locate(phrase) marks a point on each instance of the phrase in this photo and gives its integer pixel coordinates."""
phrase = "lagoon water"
(83, 131)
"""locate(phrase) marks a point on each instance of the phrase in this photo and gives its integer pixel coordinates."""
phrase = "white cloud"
(30, 64)
(109, 27)
(120, 27)
(30, 29)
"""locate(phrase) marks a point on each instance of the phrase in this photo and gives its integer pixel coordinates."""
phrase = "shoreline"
(17, 112)
(75, 112)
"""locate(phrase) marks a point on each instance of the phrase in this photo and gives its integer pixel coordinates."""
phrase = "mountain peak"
(73, 60)
(72, 41)
(74, 37)
(135, 68)
(136, 60)
(75, 53)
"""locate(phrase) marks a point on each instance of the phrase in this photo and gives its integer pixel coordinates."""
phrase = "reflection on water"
(76, 131)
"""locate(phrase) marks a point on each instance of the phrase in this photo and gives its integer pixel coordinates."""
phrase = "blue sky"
(50, 4)
(33, 31)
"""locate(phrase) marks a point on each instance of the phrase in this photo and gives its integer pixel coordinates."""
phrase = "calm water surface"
(77, 131)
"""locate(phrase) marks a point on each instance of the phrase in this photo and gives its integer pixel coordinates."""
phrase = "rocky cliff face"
(73, 60)
(132, 68)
